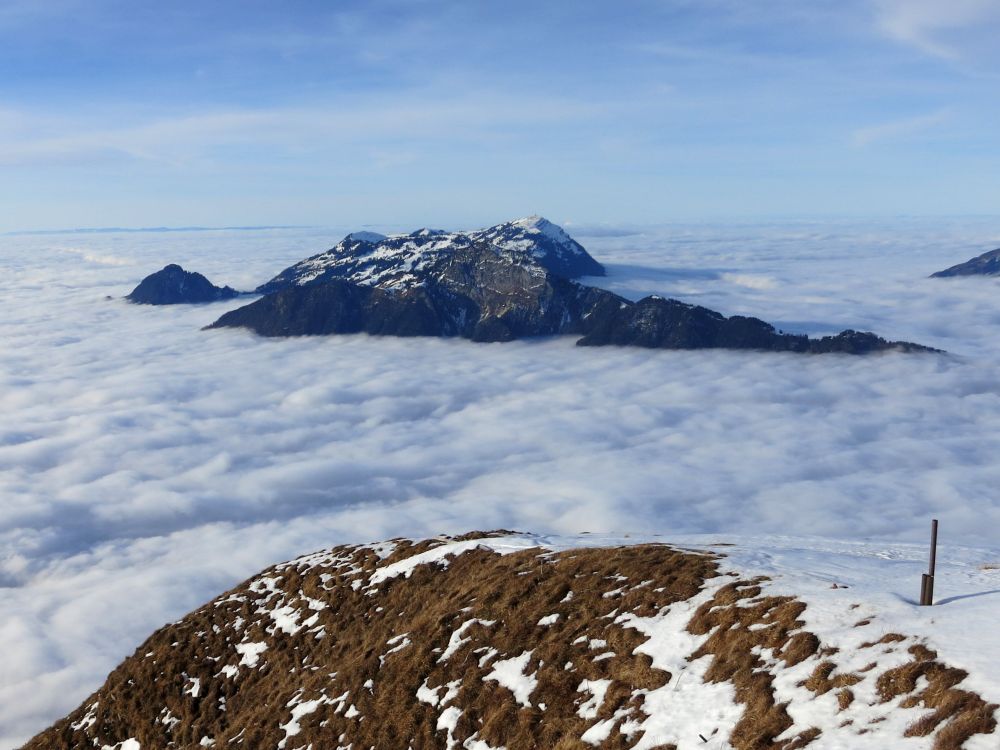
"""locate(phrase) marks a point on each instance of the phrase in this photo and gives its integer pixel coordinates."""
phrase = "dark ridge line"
(153, 230)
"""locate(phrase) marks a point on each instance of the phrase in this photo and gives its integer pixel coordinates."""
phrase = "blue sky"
(455, 113)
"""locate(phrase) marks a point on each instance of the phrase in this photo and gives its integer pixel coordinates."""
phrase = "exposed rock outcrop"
(658, 323)
(174, 286)
(471, 292)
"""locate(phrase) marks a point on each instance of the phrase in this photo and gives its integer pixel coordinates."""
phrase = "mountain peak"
(404, 260)
(172, 285)
(536, 223)
(531, 221)
(539, 225)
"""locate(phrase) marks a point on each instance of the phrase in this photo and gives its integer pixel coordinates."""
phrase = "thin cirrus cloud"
(173, 112)
(937, 28)
(181, 138)
(898, 129)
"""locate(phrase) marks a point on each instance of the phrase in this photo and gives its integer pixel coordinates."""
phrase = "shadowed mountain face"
(987, 264)
(471, 292)
(491, 641)
(403, 261)
(174, 286)
(658, 323)
(478, 293)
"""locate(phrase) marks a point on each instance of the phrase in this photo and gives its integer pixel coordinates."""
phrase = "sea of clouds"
(147, 465)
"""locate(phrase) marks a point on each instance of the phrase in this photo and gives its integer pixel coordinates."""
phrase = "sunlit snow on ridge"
(143, 460)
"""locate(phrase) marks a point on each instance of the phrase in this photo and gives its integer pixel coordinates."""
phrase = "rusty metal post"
(927, 580)
(934, 529)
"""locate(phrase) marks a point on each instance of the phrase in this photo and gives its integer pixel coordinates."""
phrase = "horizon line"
(580, 227)
(113, 230)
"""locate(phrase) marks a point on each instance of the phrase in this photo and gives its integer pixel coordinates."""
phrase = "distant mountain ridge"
(150, 230)
(987, 264)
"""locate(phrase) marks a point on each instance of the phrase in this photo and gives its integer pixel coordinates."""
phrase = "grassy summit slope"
(500, 640)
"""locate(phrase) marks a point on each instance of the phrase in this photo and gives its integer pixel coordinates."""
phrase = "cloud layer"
(146, 465)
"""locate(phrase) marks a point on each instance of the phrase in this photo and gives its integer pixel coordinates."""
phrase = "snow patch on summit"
(542, 225)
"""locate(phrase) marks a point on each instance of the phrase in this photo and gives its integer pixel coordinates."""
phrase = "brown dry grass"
(726, 619)
(823, 680)
(514, 591)
(887, 638)
(958, 714)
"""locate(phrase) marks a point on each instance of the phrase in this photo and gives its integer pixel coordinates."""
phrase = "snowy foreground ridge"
(507, 640)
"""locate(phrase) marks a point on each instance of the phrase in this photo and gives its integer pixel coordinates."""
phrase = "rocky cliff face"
(987, 264)
(493, 641)
(471, 291)
(174, 286)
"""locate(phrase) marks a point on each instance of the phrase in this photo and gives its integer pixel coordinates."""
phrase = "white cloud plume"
(143, 460)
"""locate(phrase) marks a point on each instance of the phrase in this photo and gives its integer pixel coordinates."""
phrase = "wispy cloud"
(18, 13)
(925, 24)
(33, 139)
(895, 129)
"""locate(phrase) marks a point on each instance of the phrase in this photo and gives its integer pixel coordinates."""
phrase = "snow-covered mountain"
(434, 284)
(406, 260)
(503, 283)
(502, 640)
(544, 241)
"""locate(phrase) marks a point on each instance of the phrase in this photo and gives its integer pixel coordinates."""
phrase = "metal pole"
(934, 529)
(927, 580)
